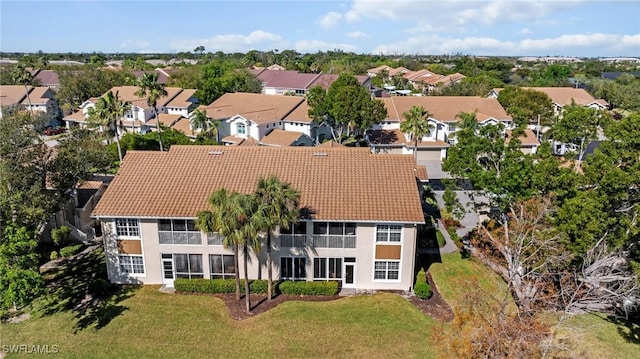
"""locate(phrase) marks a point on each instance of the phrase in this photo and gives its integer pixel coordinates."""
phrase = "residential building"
(283, 82)
(564, 96)
(178, 101)
(443, 116)
(40, 99)
(359, 214)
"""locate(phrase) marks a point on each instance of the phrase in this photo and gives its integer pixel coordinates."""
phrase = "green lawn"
(145, 323)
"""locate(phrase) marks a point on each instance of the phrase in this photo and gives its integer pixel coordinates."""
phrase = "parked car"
(50, 131)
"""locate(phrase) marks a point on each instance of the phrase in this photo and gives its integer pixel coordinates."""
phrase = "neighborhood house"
(358, 224)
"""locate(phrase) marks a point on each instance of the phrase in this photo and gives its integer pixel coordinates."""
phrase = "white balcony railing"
(293, 240)
(334, 241)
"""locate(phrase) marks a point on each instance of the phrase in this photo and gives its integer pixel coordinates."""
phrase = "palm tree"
(200, 120)
(108, 112)
(20, 75)
(417, 125)
(227, 218)
(153, 91)
(250, 238)
(278, 207)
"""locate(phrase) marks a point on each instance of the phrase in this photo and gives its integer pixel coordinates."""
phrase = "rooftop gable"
(446, 108)
(259, 108)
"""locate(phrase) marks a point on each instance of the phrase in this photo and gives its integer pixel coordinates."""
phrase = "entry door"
(349, 280)
(167, 270)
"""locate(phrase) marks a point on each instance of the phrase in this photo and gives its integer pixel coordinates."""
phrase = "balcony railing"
(334, 241)
(180, 238)
(293, 240)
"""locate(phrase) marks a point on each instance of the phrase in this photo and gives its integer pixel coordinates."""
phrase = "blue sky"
(488, 27)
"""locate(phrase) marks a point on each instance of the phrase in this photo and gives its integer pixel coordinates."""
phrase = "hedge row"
(309, 288)
(422, 289)
(184, 285)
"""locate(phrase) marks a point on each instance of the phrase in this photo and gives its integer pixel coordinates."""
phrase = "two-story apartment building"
(359, 213)
(37, 99)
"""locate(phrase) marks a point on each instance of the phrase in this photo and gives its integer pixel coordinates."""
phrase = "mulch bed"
(434, 307)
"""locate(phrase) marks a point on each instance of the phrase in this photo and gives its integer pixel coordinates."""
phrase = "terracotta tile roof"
(331, 144)
(341, 184)
(420, 75)
(325, 80)
(429, 144)
(162, 75)
(300, 114)
(165, 119)
(281, 138)
(91, 185)
(12, 94)
(184, 126)
(77, 116)
(240, 141)
(528, 139)
(48, 78)
(421, 173)
(258, 108)
(286, 79)
(38, 95)
(398, 71)
(375, 70)
(563, 95)
(445, 108)
(127, 93)
(184, 99)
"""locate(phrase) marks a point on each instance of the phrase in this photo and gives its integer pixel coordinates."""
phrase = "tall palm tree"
(200, 120)
(108, 112)
(417, 125)
(153, 91)
(250, 238)
(20, 75)
(278, 208)
(227, 218)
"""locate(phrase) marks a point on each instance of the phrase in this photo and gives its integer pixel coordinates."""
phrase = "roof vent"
(216, 153)
(320, 154)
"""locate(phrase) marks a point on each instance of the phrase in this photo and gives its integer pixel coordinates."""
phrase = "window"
(178, 231)
(298, 228)
(388, 233)
(222, 266)
(452, 128)
(241, 129)
(214, 239)
(188, 265)
(131, 264)
(386, 270)
(295, 236)
(327, 268)
(293, 268)
(127, 227)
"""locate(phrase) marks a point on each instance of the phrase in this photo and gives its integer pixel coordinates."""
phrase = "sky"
(592, 28)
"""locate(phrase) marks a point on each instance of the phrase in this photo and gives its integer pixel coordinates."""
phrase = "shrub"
(217, 286)
(422, 289)
(53, 255)
(440, 237)
(99, 287)
(61, 236)
(70, 250)
(309, 288)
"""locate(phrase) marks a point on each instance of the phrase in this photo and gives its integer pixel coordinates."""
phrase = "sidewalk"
(449, 246)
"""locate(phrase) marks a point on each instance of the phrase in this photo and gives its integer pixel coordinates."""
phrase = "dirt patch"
(435, 307)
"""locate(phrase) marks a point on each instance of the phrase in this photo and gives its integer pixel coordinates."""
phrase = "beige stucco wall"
(364, 253)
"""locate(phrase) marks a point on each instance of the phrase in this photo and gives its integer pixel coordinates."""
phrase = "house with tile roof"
(284, 82)
(564, 96)
(422, 80)
(360, 213)
(140, 119)
(250, 115)
(40, 99)
(443, 111)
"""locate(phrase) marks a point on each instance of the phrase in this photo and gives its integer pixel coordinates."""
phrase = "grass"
(141, 322)
(440, 238)
(595, 337)
(455, 276)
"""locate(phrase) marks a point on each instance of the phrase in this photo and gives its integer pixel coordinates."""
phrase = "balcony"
(293, 240)
(334, 241)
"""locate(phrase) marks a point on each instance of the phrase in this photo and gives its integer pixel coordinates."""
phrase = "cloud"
(358, 35)
(312, 46)
(330, 20)
(524, 31)
(442, 13)
(594, 44)
(255, 40)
